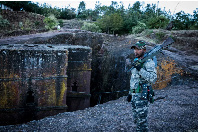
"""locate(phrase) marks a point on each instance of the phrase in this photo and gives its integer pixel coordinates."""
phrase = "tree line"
(115, 18)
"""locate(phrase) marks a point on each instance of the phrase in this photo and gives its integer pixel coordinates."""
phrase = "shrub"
(157, 22)
(60, 22)
(28, 24)
(21, 26)
(37, 24)
(160, 36)
(91, 27)
(50, 22)
(3, 22)
(138, 28)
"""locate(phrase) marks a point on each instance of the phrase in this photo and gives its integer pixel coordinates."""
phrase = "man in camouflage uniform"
(142, 76)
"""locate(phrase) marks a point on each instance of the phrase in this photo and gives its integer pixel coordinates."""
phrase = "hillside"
(21, 23)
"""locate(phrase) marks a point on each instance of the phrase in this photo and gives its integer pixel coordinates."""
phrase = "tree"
(113, 22)
(182, 21)
(149, 12)
(131, 17)
(116, 22)
(136, 7)
(113, 7)
(157, 22)
(104, 23)
(195, 20)
(67, 13)
(47, 10)
(129, 22)
(81, 7)
(82, 10)
(16, 5)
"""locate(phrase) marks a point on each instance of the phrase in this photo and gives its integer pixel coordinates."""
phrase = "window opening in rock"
(74, 87)
(30, 97)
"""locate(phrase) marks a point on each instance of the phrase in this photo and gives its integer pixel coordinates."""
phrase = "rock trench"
(175, 109)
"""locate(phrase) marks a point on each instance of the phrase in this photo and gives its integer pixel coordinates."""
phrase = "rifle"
(154, 51)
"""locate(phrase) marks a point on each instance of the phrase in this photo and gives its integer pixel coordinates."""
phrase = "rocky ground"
(175, 110)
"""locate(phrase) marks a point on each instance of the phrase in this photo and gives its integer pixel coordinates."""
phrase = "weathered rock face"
(36, 79)
(32, 81)
(79, 76)
(101, 58)
(184, 51)
(108, 77)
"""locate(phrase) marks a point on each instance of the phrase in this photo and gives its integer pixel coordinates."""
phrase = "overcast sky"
(173, 6)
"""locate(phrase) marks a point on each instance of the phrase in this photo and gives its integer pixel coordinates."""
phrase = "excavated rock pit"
(109, 81)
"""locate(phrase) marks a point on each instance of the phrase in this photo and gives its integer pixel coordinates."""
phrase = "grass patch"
(160, 36)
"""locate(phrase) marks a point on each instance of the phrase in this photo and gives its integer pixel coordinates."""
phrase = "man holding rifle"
(143, 74)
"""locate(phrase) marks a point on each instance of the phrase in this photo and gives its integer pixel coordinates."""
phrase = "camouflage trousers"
(140, 111)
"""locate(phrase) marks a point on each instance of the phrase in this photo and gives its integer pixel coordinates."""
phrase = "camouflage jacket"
(147, 74)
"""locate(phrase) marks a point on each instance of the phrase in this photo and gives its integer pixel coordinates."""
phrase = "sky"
(173, 6)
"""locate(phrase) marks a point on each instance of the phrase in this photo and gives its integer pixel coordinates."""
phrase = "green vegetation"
(184, 21)
(148, 32)
(3, 23)
(159, 36)
(138, 28)
(91, 27)
(111, 23)
(115, 18)
(157, 22)
(50, 22)
(60, 22)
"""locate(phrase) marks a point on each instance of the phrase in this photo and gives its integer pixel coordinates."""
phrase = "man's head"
(139, 49)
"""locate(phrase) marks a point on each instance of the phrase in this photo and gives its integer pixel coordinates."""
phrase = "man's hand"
(137, 64)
